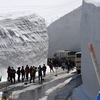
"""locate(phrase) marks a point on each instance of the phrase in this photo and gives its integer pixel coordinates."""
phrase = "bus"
(67, 54)
(71, 55)
(61, 53)
(78, 62)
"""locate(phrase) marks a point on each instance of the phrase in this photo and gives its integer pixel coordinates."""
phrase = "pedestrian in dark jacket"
(40, 74)
(18, 73)
(23, 73)
(9, 73)
(12, 78)
(31, 72)
(44, 69)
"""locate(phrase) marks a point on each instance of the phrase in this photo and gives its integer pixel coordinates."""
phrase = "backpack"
(33, 71)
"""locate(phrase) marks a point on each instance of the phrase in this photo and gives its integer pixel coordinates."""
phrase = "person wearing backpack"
(33, 71)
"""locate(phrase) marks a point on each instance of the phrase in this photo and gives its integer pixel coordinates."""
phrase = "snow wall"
(90, 33)
(64, 33)
(23, 40)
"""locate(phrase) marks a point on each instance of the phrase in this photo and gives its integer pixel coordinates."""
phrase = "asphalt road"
(53, 88)
(66, 91)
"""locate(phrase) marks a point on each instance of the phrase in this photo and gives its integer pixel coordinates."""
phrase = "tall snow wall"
(64, 33)
(23, 40)
(90, 33)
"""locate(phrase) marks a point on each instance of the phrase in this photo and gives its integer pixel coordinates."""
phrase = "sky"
(6, 3)
(50, 10)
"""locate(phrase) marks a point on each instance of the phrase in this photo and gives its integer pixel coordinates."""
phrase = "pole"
(94, 60)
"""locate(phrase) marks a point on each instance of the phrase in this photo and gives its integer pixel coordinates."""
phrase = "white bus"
(78, 62)
(69, 55)
(62, 53)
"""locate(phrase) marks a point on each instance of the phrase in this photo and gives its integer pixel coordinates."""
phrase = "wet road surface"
(35, 91)
(38, 92)
(66, 91)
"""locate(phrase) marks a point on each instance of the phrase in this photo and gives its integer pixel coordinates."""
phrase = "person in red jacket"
(51, 66)
(27, 71)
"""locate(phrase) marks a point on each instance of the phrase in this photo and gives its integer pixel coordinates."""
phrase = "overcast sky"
(50, 10)
(6, 3)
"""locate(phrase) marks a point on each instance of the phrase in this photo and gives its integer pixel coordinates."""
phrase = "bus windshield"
(78, 55)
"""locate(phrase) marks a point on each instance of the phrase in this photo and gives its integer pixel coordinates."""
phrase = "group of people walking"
(26, 73)
(29, 73)
(63, 63)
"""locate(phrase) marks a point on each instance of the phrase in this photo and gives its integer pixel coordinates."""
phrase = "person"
(55, 62)
(9, 73)
(63, 65)
(50, 65)
(44, 69)
(12, 77)
(18, 73)
(23, 73)
(27, 70)
(72, 64)
(40, 74)
(68, 66)
(33, 71)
